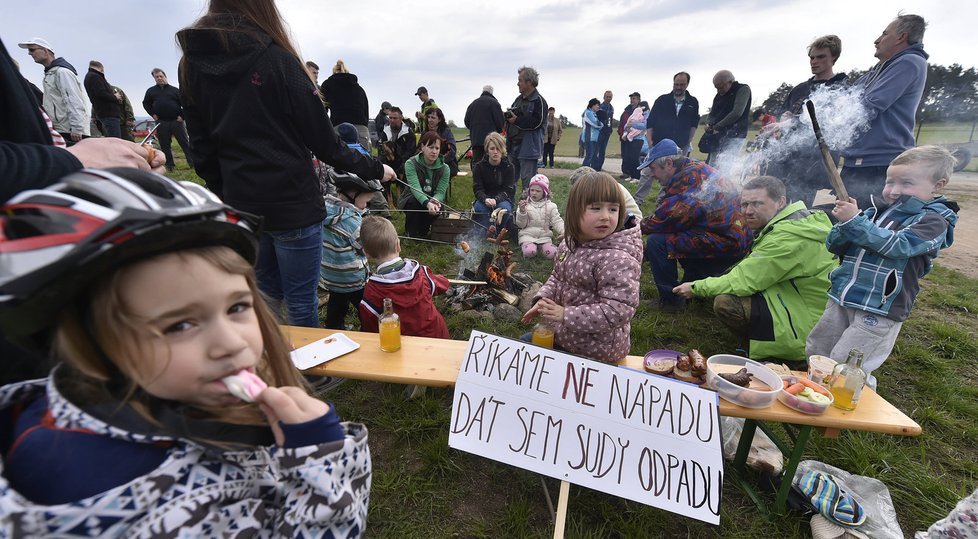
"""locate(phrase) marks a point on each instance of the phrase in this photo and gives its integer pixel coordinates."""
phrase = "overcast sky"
(580, 48)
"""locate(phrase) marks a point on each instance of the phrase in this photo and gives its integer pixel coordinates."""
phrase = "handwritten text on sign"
(646, 438)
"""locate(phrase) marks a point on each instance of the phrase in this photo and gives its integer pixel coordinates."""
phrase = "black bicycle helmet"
(54, 242)
(346, 182)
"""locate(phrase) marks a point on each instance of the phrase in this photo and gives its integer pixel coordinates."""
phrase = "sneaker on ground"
(324, 384)
(414, 391)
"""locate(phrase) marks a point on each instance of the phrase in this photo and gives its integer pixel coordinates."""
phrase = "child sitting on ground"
(410, 285)
(343, 270)
(539, 220)
(157, 421)
(347, 133)
(885, 252)
(592, 293)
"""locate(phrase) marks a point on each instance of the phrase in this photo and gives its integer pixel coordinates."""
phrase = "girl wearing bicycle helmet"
(148, 288)
(344, 267)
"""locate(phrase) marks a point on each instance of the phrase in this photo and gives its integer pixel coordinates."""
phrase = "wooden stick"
(561, 510)
(465, 282)
(834, 177)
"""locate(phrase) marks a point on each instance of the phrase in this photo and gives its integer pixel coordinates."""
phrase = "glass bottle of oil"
(848, 380)
(390, 328)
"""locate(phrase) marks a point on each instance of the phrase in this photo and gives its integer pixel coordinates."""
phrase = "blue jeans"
(589, 148)
(526, 169)
(482, 213)
(602, 145)
(288, 269)
(665, 271)
(111, 127)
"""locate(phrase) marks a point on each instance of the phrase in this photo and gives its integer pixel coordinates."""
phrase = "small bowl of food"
(805, 396)
(660, 362)
(742, 381)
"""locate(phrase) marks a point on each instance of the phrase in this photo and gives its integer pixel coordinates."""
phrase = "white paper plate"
(323, 350)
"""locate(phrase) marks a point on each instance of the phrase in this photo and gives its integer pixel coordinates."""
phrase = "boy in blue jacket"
(344, 264)
(885, 252)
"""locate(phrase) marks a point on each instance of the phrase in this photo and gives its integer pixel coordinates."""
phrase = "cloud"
(580, 47)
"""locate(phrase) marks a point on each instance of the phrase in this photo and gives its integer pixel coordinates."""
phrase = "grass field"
(423, 488)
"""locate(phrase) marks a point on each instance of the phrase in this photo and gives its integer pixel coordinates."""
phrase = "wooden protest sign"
(628, 433)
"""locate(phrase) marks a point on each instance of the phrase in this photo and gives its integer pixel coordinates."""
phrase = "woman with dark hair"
(435, 121)
(427, 178)
(254, 113)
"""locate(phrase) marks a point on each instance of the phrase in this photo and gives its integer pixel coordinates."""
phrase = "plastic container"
(802, 405)
(742, 396)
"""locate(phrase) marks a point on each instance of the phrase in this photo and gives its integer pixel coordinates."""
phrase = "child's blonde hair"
(590, 188)
(935, 160)
(99, 339)
(378, 237)
(498, 140)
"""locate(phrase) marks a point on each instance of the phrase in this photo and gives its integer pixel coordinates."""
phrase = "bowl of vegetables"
(805, 396)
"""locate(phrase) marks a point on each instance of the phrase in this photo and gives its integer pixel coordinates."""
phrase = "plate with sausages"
(689, 367)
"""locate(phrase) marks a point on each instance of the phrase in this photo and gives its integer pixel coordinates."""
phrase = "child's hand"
(289, 405)
(550, 310)
(845, 209)
(522, 205)
(532, 313)
(434, 206)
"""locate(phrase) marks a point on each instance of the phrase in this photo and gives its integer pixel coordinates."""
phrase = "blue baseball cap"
(663, 148)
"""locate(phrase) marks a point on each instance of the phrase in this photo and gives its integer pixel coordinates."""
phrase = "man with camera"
(526, 123)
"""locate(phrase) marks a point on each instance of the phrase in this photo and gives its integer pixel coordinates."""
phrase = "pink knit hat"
(542, 182)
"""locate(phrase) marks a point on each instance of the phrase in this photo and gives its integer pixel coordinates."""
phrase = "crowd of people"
(148, 293)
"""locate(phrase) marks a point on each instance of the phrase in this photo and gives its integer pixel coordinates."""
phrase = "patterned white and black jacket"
(319, 490)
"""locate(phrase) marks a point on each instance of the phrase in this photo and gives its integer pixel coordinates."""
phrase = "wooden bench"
(436, 362)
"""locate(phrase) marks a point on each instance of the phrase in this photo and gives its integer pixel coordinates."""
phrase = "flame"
(495, 276)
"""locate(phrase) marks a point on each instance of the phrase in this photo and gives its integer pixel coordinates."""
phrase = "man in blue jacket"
(891, 92)
(527, 122)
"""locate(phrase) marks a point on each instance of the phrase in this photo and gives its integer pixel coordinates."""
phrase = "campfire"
(493, 282)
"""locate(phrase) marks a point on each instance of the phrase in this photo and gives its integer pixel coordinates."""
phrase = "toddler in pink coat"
(539, 220)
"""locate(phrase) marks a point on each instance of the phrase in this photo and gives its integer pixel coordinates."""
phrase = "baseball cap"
(635, 94)
(421, 90)
(37, 41)
(663, 148)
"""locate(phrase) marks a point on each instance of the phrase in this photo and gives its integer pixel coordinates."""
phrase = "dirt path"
(963, 254)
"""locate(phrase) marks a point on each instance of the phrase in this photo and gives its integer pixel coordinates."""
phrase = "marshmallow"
(244, 385)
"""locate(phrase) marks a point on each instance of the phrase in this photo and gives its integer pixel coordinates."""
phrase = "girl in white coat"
(539, 220)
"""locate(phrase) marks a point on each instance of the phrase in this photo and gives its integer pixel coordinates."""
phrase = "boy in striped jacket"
(885, 252)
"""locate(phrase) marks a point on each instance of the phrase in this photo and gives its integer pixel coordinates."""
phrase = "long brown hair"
(263, 15)
(110, 348)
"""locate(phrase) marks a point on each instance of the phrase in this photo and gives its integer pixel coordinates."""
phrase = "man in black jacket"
(397, 142)
(105, 105)
(729, 115)
(162, 102)
(483, 116)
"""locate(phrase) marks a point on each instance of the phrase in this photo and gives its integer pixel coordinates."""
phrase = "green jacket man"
(776, 294)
